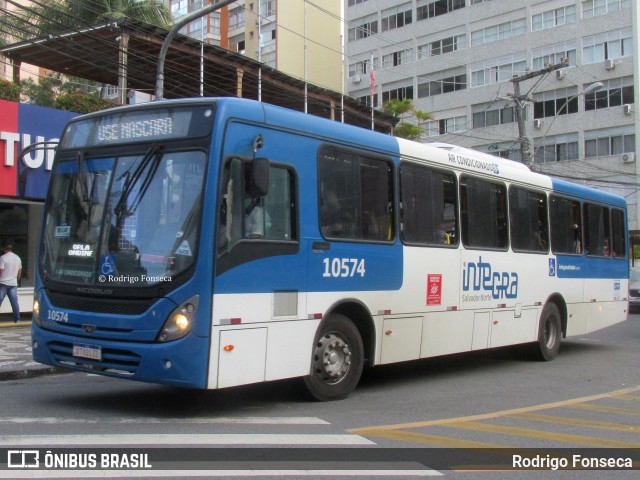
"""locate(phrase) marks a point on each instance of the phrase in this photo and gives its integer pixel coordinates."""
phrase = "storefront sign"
(22, 125)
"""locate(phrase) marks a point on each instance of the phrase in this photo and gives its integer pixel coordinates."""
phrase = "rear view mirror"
(258, 182)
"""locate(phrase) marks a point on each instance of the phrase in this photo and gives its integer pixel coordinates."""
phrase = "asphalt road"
(448, 407)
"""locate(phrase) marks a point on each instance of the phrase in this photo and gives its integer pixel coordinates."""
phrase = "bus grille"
(121, 362)
(119, 306)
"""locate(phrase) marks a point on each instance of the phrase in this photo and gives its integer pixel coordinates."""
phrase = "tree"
(51, 16)
(398, 109)
(9, 91)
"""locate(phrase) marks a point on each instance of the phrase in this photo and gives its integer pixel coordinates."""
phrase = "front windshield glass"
(123, 221)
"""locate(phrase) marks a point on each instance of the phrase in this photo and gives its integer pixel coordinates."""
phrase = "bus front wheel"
(549, 333)
(337, 359)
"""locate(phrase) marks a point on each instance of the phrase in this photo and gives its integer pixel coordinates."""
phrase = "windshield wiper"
(131, 181)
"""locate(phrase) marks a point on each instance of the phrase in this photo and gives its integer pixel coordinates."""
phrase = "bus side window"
(597, 235)
(618, 235)
(355, 196)
(566, 225)
(528, 219)
(243, 215)
(483, 214)
(429, 205)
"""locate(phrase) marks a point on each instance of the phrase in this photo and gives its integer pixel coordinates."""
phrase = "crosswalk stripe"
(152, 420)
(182, 439)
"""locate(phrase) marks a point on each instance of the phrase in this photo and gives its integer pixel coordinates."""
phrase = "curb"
(21, 323)
(23, 373)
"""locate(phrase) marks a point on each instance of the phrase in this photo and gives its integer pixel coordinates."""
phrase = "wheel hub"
(332, 358)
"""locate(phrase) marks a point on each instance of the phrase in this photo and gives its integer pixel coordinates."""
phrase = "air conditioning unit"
(609, 64)
(537, 123)
(560, 74)
(627, 108)
(356, 79)
(629, 157)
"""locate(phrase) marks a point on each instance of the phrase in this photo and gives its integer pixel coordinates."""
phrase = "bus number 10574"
(343, 267)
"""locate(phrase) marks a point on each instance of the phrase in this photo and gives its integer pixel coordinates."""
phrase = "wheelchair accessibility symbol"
(107, 265)
(552, 267)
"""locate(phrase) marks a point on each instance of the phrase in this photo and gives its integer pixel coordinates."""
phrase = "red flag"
(373, 80)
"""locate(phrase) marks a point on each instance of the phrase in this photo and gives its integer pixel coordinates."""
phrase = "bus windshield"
(123, 221)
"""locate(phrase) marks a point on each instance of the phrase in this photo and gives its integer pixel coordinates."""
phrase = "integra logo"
(480, 277)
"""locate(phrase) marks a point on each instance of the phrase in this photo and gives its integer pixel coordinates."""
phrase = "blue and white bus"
(210, 243)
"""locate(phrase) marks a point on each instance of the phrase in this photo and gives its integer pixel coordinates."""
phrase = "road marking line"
(582, 422)
(147, 420)
(426, 439)
(182, 439)
(607, 409)
(543, 435)
(628, 397)
(503, 413)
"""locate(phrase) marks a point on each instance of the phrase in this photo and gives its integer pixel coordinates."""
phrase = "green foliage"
(9, 91)
(398, 109)
(44, 92)
(80, 103)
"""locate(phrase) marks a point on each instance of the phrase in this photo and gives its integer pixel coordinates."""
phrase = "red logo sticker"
(434, 289)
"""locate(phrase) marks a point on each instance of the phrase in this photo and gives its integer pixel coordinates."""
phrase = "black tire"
(337, 359)
(549, 333)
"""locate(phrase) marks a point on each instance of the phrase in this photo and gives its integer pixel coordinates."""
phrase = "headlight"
(179, 322)
(36, 310)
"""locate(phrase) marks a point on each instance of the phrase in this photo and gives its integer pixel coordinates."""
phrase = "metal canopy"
(126, 53)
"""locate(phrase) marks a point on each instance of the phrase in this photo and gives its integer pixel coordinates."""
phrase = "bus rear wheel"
(337, 359)
(549, 333)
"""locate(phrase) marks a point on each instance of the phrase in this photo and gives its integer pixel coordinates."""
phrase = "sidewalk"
(15, 350)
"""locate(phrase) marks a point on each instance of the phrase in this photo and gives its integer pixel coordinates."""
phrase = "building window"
(499, 32)
(401, 57)
(398, 94)
(445, 45)
(553, 18)
(556, 151)
(495, 71)
(396, 17)
(602, 143)
(618, 91)
(366, 27)
(594, 8)
(498, 116)
(554, 54)
(448, 84)
(236, 18)
(556, 102)
(433, 8)
(356, 2)
(435, 128)
(359, 68)
(268, 8)
(607, 46)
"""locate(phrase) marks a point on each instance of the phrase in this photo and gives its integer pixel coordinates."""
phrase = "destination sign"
(139, 125)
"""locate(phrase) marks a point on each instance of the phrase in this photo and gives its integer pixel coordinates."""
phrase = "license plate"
(83, 350)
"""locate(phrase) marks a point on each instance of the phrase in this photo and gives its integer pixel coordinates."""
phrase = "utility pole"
(521, 100)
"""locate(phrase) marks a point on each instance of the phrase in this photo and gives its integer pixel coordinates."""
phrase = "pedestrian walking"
(10, 272)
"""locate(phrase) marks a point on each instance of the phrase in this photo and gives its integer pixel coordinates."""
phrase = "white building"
(456, 58)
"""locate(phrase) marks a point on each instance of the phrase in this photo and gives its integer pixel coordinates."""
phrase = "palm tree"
(47, 17)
